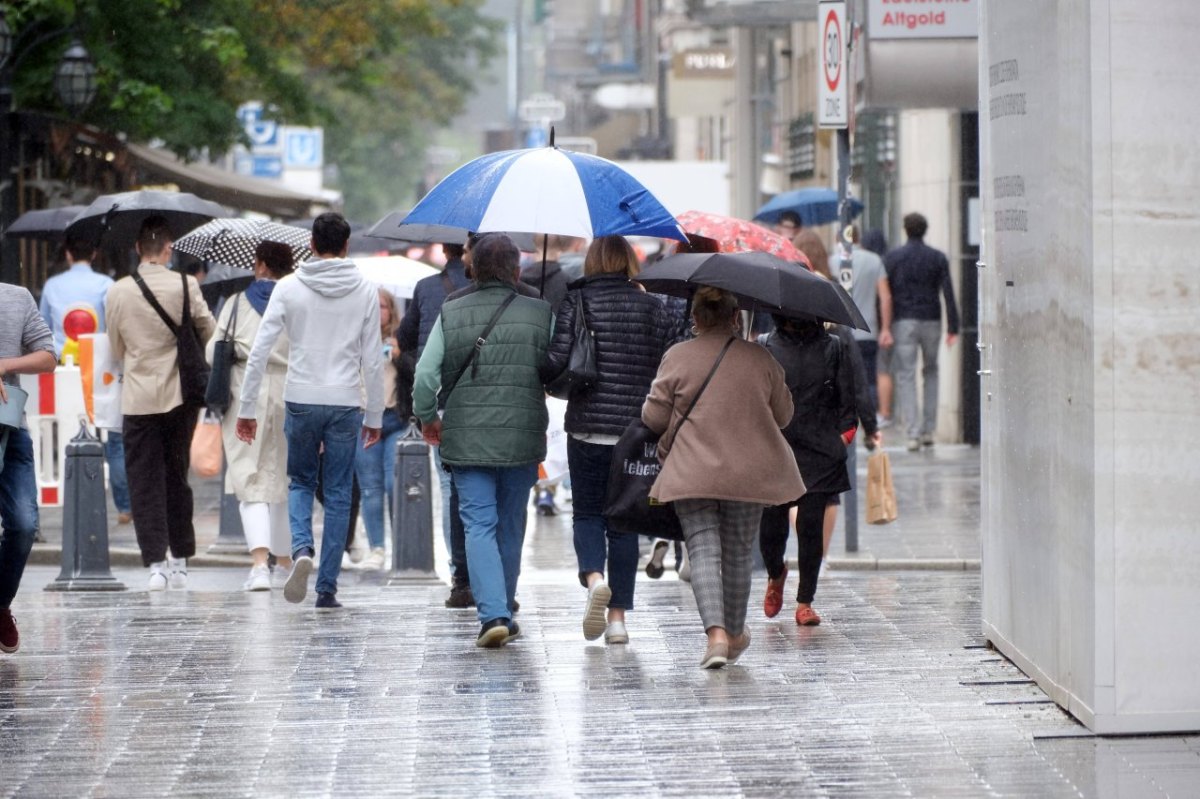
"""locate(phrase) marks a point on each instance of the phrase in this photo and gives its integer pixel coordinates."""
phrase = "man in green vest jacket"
(482, 359)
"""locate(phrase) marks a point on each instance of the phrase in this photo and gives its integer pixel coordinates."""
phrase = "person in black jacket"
(631, 330)
(553, 286)
(820, 370)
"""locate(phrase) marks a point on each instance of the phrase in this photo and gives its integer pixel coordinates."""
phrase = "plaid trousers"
(720, 536)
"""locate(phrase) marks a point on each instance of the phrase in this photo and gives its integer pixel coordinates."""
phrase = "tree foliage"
(378, 74)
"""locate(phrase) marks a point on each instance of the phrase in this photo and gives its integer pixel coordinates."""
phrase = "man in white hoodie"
(331, 315)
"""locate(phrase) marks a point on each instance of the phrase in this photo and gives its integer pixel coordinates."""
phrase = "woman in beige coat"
(728, 461)
(257, 472)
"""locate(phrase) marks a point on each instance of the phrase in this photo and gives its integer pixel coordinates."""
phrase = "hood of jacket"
(330, 277)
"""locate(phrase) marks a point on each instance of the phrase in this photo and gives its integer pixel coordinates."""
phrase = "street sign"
(833, 95)
(957, 20)
(263, 133)
(542, 108)
(259, 166)
(304, 148)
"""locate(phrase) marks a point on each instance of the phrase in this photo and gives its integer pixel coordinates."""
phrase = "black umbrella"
(761, 282)
(116, 218)
(392, 227)
(46, 224)
(362, 241)
(233, 241)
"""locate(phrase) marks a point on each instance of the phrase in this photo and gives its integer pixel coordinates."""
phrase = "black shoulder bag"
(444, 394)
(628, 507)
(581, 372)
(193, 368)
(218, 395)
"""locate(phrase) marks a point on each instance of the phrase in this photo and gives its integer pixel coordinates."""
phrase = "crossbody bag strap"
(149, 295)
(479, 342)
(703, 386)
(231, 325)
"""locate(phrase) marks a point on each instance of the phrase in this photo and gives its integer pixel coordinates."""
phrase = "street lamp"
(75, 78)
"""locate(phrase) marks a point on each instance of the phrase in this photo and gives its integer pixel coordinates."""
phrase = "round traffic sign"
(832, 50)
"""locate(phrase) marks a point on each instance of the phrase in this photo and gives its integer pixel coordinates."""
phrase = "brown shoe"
(807, 617)
(773, 601)
(715, 656)
(738, 645)
(124, 518)
(460, 597)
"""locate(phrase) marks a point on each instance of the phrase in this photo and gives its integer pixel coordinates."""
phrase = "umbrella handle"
(106, 220)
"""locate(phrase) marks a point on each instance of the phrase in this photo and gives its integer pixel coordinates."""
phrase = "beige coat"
(256, 472)
(138, 337)
(731, 447)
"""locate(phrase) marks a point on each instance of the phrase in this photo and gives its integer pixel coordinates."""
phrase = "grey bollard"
(412, 512)
(850, 499)
(85, 565)
(231, 538)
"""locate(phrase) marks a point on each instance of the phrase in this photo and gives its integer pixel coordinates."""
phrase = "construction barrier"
(54, 412)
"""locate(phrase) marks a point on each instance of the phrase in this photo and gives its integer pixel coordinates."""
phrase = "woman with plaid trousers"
(727, 461)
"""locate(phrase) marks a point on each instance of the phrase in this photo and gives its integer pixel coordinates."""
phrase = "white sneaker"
(158, 576)
(259, 579)
(358, 549)
(178, 576)
(595, 613)
(279, 577)
(616, 633)
(297, 583)
(374, 561)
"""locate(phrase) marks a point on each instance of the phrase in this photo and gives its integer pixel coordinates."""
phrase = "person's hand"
(246, 430)
(885, 339)
(874, 441)
(371, 436)
(951, 338)
(432, 432)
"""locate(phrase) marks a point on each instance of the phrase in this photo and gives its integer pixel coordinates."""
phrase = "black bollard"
(412, 512)
(850, 499)
(85, 565)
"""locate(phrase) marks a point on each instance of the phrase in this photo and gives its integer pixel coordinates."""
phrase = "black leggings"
(810, 541)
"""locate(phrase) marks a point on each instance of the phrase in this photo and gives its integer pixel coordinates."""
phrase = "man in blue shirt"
(82, 291)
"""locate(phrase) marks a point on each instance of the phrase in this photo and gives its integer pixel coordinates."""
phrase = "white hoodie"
(331, 315)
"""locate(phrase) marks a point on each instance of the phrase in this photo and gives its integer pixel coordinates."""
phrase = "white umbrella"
(395, 273)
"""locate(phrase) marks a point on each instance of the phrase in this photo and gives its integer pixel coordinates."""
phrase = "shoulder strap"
(704, 385)
(231, 325)
(479, 342)
(174, 328)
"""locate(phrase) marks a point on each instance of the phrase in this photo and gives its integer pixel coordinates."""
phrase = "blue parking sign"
(304, 148)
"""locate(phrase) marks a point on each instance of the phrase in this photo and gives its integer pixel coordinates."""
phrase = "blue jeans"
(913, 337)
(18, 512)
(493, 502)
(307, 427)
(589, 465)
(114, 453)
(375, 468)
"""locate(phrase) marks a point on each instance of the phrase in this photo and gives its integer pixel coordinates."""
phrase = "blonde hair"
(610, 255)
(713, 307)
(390, 329)
(809, 243)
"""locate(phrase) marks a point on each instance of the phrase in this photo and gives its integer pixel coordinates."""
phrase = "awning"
(227, 188)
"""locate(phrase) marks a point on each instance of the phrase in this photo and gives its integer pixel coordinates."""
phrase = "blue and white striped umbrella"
(545, 190)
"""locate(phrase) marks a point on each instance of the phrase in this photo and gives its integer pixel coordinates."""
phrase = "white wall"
(1088, 308)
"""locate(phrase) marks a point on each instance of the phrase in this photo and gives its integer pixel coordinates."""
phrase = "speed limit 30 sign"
(833, 96)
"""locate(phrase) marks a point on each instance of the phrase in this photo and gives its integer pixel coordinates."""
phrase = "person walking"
(482, 359)
(868, 286)
(917, 274)
(874, 241)
(158, 425)
(375, 466)
(82, 291)
(429, 295)
(26, 348)
(256, 474)
(547, 276)
(630, 330)
(725, 463)
(819, 369)
(331, 317)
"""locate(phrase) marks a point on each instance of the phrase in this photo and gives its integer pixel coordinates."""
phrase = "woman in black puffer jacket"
(631, 331)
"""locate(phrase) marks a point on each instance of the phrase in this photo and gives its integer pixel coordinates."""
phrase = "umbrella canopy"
(738, 235)
(46, 224)
(393, 227)
(362, 240)
(545, 190)
(224, 280)
(233, 241)
(761, 282)
(118, 217)
(815, 207)
(395, 273)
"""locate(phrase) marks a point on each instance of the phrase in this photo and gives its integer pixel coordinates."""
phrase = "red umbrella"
(738, 235)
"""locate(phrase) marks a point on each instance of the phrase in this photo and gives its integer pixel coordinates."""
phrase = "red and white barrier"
(54, 412)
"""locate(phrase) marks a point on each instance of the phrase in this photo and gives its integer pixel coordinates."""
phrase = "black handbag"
(628, 507)
(219, 394)
(581, 372)
(193, 367)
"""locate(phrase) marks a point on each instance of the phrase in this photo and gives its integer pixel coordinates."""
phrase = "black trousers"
(773, 538)
(157, 454)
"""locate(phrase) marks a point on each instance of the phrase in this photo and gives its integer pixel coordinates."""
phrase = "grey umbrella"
(116, 218)
(392, 227)
(45, 224)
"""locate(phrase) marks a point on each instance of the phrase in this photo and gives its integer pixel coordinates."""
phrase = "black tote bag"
(193, 366)
(219, 394)
(581, 372)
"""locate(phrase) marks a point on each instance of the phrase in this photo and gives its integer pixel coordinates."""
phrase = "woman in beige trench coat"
(257, 472)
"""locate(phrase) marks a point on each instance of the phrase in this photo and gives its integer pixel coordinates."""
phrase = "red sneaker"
(10, 640)
(807, 617)
(773, 601)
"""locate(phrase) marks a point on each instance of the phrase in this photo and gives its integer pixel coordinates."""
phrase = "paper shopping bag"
(206, 446)
(881, 494)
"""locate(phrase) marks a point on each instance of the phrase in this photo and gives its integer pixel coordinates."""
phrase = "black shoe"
(327, 601)
(516, 606)
(514, 631)
(545, 504)
(493, 634)
(654, 568)
(460, 597)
